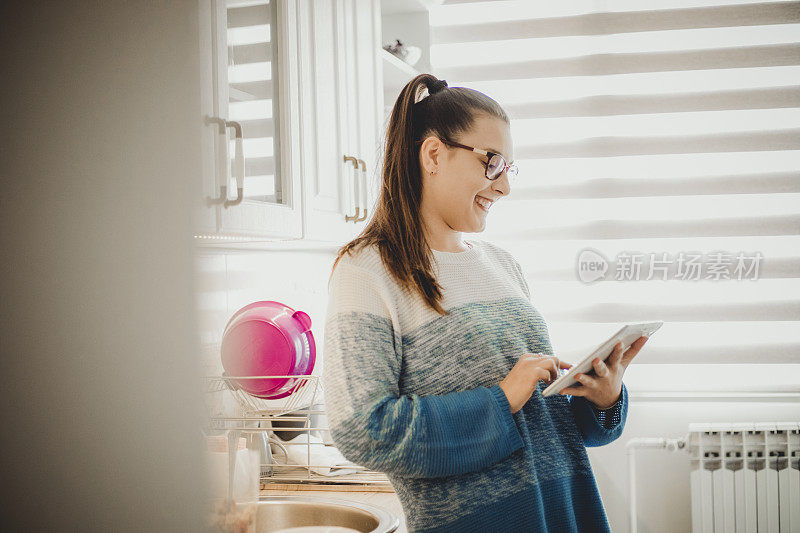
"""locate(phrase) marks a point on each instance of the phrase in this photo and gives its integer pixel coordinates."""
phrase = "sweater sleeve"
(375, 426)
(597, 432)
(611, 416)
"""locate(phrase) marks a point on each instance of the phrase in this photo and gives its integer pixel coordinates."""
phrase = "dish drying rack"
(260, 415)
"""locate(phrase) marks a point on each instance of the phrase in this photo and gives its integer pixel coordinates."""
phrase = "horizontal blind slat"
(493, 10)
(258, 166)
(628, 22)
(553, 253)
(630, 229)
(615, 146)
(648, 84)
(768, 182)
(626, 63)
(543, 213)
(258, 90)
(656, 167)
(740, 378)
(604, 105)
(258, 128)
(689, 312)
(770, 268)
(767, 353)
(669, 125)
(576, 337)
(251, 53)
(562, 295)
(713, 377)
(248, 16)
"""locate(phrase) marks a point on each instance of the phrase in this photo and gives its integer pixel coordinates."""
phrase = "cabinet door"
(328, 180)
(349, 67)
(369, 83)
(255, 86)
(205, 216)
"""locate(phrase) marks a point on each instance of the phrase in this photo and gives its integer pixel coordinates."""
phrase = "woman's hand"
(604, 388)
(520, 383)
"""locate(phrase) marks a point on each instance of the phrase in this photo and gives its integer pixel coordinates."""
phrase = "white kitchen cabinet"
(342, 115)
(249, 88)
(303, 79)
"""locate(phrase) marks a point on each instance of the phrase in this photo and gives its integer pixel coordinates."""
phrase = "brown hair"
(396, 226)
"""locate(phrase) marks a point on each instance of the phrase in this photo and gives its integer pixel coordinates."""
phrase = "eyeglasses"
(496, 164)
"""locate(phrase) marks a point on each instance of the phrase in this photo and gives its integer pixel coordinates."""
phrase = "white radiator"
(745, 477)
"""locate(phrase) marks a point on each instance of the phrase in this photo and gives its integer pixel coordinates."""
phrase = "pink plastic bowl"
(268, 339)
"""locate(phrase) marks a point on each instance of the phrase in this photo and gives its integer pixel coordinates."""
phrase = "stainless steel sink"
(282, 512)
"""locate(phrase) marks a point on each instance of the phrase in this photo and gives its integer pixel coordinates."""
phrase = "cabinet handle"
(355, 217)
(238, 163)
(363, 175)
(221, 125)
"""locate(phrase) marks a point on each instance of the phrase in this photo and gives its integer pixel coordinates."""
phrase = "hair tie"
(433, 88)
(437, 86)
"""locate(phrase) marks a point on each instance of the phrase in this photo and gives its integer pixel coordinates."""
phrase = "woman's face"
(453, 179)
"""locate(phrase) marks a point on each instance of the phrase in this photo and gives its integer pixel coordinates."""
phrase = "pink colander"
(268, 339)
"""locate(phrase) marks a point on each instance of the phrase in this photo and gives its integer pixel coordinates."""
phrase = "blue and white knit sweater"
(415, 395)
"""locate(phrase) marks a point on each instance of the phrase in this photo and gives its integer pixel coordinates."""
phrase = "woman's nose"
(502, 185)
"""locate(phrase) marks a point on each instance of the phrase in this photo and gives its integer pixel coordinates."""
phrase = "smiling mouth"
(485, 209)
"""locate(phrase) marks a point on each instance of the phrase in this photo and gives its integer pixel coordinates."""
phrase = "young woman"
(434, 356)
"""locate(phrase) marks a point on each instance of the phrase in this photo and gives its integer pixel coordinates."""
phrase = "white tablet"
(627, 334)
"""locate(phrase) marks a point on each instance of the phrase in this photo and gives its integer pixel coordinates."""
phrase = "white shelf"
(396, 72)
(390, 7)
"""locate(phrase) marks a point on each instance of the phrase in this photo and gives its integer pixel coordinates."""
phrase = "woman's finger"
(586, 381)
(543, 374)
(573, 391)
(631, 352)
(600, 368)
(549, 365)
(616, 355)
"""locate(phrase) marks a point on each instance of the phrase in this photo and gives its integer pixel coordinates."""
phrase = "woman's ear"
(430, 153)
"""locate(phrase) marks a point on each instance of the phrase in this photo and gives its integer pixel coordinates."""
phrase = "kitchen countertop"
(386, 498)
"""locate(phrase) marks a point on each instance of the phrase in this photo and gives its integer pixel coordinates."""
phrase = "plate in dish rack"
(304, 393)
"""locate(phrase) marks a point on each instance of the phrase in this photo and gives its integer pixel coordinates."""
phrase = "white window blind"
(665, 127)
